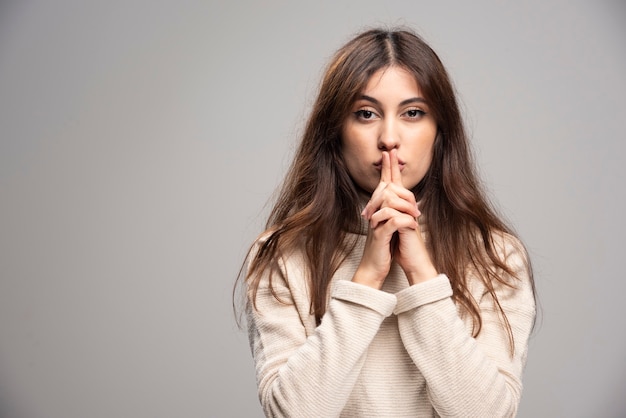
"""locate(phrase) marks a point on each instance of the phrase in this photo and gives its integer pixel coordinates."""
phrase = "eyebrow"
(402, 103)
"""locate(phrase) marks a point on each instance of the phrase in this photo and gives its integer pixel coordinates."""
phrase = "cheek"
(351, 148)
(425, 151)
(428, 153)
(358, 167)
(353, 162)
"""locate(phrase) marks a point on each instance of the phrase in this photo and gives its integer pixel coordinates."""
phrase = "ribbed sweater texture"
(402, 351)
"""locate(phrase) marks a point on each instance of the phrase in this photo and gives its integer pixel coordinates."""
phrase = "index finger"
(396, 175)
(385, 169)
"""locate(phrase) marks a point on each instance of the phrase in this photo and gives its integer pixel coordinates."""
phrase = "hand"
(394, 232)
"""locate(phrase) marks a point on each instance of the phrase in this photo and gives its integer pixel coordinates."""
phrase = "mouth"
(379, 164)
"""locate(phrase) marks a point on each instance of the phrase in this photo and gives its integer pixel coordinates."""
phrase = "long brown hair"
(319, 203)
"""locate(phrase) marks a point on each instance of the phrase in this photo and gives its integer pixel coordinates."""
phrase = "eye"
(365, 114)
(415, 113)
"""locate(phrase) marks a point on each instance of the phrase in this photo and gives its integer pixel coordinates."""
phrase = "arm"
(306, 376)
(466, 376)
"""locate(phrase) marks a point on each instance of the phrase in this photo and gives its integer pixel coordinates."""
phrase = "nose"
(388, 138)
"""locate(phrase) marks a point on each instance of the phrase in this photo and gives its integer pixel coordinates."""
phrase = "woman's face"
(390, 113)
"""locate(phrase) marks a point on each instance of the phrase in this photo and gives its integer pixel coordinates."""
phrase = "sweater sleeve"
(465, 376)
(306, 376)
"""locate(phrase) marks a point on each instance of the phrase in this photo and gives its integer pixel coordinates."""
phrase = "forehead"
(392, 80)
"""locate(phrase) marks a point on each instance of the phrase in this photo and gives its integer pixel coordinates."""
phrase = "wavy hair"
(319, 203)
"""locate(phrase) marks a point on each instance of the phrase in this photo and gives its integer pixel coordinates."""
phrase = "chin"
(411, 183)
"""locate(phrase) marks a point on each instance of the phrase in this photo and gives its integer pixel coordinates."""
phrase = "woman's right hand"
(390, 209)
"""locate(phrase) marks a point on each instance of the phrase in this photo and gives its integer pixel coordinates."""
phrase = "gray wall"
(140, 141)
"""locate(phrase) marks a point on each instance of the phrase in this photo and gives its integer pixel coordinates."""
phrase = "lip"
(379, 164)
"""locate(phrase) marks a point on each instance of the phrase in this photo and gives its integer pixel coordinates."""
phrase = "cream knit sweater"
(397, 352)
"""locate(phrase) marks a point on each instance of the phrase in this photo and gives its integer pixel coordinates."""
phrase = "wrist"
(421, 276)
(365, 277)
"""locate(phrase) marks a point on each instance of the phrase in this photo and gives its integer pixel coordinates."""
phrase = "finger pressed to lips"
(390, 171)
(390, 192)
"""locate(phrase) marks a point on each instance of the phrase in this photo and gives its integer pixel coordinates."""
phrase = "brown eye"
(364, 114)
(415, 113)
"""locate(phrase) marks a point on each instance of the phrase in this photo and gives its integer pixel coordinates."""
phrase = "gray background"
(141, 140)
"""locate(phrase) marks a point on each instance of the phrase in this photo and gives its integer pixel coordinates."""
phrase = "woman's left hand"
(394, 203)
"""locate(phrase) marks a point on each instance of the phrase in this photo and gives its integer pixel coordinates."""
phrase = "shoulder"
(509, 273)
(269, 260)
(511, 251)
(277, 281)
(512, 281)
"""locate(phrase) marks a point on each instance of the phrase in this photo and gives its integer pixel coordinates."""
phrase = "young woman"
(385, 284)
